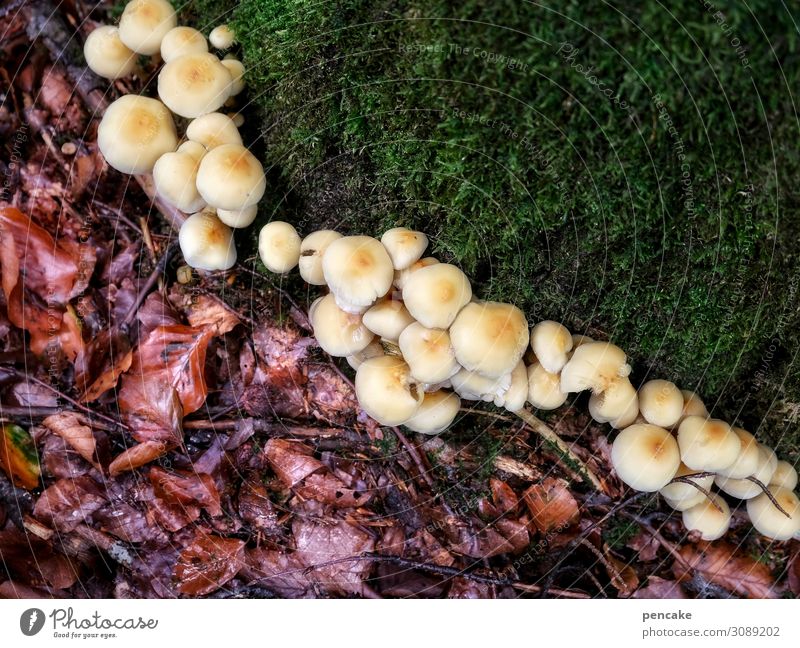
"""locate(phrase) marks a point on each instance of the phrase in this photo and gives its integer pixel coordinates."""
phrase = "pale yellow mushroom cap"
(386, 391)
(707, 444)
(238, 217)
(279, 247)
(513, 399)
(544, 388)
(206, 242)
(194, 84)
(175, 179)
(692, 405)
(474, 386)
(628, 417)
(551, 342)
(594, 366)
(682, 492)
(236, 70)
(134, 132)
(358, 271)
(614, 402)
(687, 503)
(768, 520)
(144, 23)
(646, 457)
(106, 54)
(312, 248)
(213, 130)
(428, 353)
(437, 411)
(748, 460)
(230, 177)
(182, 40)
(222, 37)
(488, 337)
(372, 350)
(579, 340)
(339, 333)
(196, 150)
(785, 476)
(400, 276)
(435, 294)
(404, 246)
(387, 319)
(744, 488)
(661, 402)
(704, 517)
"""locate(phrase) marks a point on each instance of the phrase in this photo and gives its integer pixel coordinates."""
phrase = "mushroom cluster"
(420, 342)
(208, 173)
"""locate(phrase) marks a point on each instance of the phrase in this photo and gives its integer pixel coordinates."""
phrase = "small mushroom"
(474, 386)
(386, 391)
(785, 476)
(707, 444)
(745, 488)
(428, 353)
(661, 403)
(769, 521)
(544, 388)
(551, 342)
(646, 457)
(437, 411)
(434, 295)
(222, 37)
(372, 350)
(358, 271)
(238, 217)
(212, 130)
(194, 84)
(692, 405)
(683, 493)
(193, 149)
(230, 177)
(711, 518)
(595, 366)
(339, 333)
(279, 247)
(312, 248)
(488, 337)
(404, 246)
(134, 132)
(400, 276)
(236, 70)
(748, 460)
(182, 40)
(513, 399)
(106, 54)
(175, 179)
(387, 319)
(614, 402)
(144, 23)
(578, 340)
(206, 242)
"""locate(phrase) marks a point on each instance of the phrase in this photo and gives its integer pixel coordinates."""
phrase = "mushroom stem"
(689, 479)
(541, 428)
(767, 492)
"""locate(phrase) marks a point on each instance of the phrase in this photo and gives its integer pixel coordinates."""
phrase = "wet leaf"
(184, 488)
(18, 457)
(660, 588)
(208, 563)
(292, 461)
(70, 427)
(551, 504)
(720, 563)
(282, 572)
(504, 498)
(68, 503)
(207, 312)
(136, 456)
(106, 358)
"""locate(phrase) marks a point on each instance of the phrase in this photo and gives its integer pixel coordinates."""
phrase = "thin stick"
(769, 494)
(687, 479)
(541, 428)
(155, 275)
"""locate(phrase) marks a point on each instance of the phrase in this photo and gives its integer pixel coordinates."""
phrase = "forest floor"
(274, 482)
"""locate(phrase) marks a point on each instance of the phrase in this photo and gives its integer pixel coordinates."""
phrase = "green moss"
(485, 125)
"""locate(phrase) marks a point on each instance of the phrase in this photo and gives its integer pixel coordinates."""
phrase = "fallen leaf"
(210, 313)
(105, 359)
(279, 571)
(660, 588)
(208, 563)
(70, 427)
(136, 456)
(292, 461)
(623, 576)
(551, 504)
(183, 488)
(256, 508)
(122, 520)
(721, 564)
(504, 498)
(18, 457)
(68, 503)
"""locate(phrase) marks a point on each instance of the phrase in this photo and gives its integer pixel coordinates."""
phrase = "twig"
(769, 494)
(155, 275)
(540, 428)
(688, 479)
(416, 458)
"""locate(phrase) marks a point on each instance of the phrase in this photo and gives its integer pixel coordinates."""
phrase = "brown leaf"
(329, 489)
(719, 563)
(210, 313)
(794, 574)
(645, 545)
(106, 358)
(660, 588)
(292, 461)
(167, 365)
(283, 573)
(256, 508)
(69, 502)
(623, 576)
(124, 521)
(208, 563)
(551, 504)
(135, 456)
(505, 499)
(184, 488)
(70, 427)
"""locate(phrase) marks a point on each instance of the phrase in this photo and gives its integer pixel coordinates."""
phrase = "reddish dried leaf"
(181, 488)
(291, 460)
(13, 590)
(505, 499)
(329, 489)
(645, 545)
(660, 588)
(256, 508)
(135, 456)
(208, 563)
(515, 532)
(283, 573)
(69, 502)
(794, 575)
(721, 564)
(167, 367)
(125, 522)
(107, 357)
(210, 313)
(61, 460)
(551, 504)
(70, 427)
